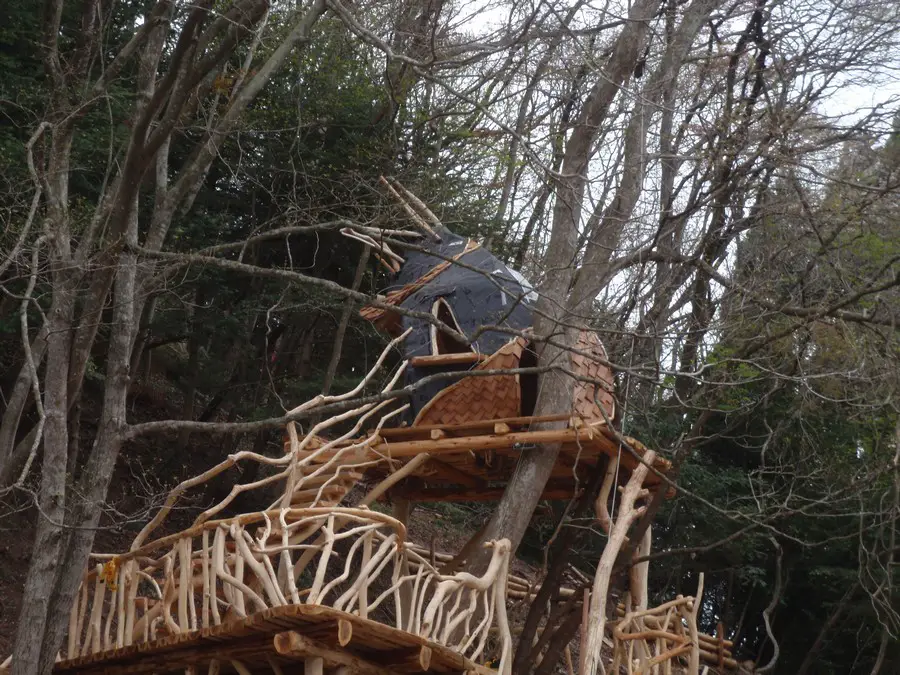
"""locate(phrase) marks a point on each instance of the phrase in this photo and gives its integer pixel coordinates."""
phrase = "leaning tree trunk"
(555, 328)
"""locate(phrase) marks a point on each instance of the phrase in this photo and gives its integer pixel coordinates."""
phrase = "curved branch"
(773, 603)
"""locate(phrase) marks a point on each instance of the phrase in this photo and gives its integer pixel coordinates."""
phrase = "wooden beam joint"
(294, 645)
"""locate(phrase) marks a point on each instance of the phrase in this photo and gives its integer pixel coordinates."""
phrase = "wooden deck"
(474, 460)
(226, 590)
(263, 639)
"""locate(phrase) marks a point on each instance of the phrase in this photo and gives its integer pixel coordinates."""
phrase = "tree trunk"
(28, 648)
(552, 320)
(95, 479)
(57, 566)
(189, 391)
(813, 652)
(10, 456)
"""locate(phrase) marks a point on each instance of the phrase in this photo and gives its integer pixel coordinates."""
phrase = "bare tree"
(646, 155)
(204, 44)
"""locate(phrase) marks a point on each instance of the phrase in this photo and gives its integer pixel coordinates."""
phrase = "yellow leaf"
(109, 573)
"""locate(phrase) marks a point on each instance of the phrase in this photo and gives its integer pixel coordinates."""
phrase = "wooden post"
(625, 517)
(720, 644)
(364, 589)
(400, 510)
(208, 595)
(184, 581)
(582, 654)
(695, 633)
(314, 665)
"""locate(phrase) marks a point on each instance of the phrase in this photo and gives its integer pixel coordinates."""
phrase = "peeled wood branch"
(770, 608)
(627, 514)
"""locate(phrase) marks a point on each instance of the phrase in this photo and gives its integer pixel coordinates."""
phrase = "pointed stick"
(417, 203)
(410, 211)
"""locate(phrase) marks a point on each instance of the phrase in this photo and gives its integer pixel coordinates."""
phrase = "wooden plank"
(251, 641)
(434, 360)
(488, 442)
(294, 645)
(402, 432)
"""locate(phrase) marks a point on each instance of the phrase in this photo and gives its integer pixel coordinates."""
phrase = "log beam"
(407, 659)
(294, 645)
(433, 360)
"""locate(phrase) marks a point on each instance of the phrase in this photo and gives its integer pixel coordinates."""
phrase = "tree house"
(335, 586)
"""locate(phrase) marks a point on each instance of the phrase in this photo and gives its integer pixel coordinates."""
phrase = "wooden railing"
(650, 641)
(352, 560)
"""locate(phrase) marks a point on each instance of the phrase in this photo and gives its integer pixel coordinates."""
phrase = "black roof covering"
(481, 291)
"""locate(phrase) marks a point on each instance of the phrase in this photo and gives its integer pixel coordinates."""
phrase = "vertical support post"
(204, 564)
(364, 588)
(400, 510)
(314, 665)
(184, 580)
(694, 665)
(120, 607)
(129, 573)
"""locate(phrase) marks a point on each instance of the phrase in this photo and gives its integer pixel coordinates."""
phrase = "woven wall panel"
(479, 398)
(584, 405)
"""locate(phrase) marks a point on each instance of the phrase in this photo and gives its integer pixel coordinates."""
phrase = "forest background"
(712, 185)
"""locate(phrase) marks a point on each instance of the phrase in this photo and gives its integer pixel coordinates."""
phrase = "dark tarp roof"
(481, 292)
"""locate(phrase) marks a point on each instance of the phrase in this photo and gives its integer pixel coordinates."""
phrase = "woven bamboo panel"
(584, 404)
(479, 398)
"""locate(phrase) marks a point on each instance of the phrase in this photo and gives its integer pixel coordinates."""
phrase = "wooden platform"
(474, 460)
(366, 647)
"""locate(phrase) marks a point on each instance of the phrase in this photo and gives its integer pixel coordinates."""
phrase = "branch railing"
(652, 641)
(352, 560)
